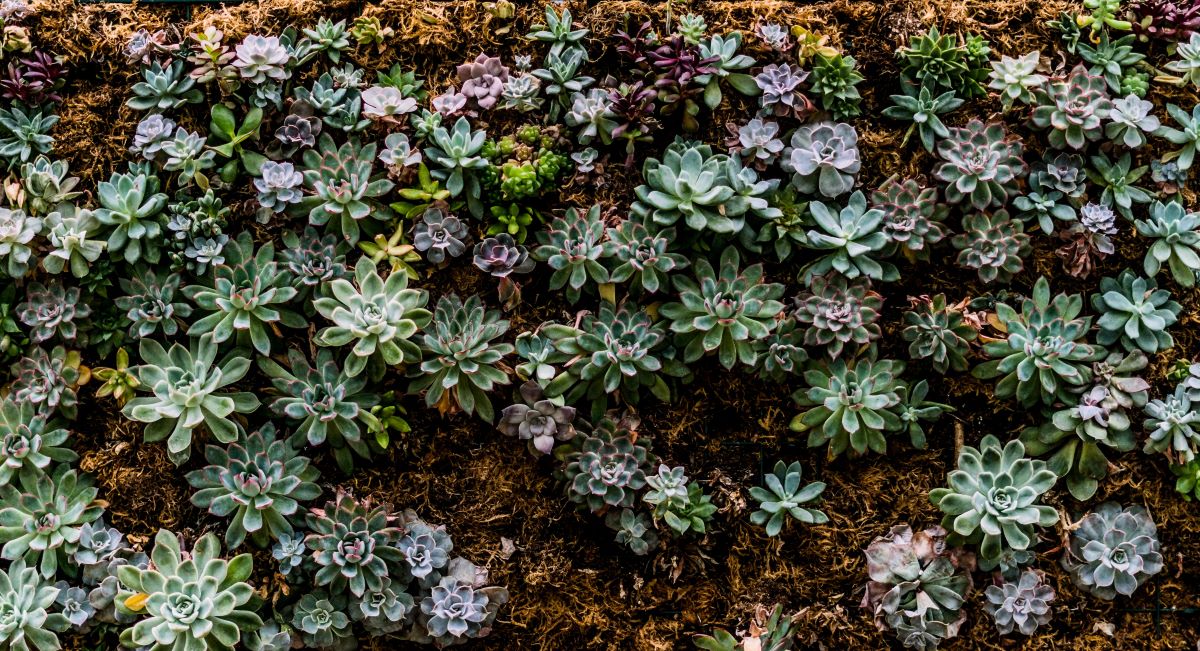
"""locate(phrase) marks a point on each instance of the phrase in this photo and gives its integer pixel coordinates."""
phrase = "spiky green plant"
(380, 317)
(163, 88)
(187, 383)
(1117, 180)
(24, 134)
(835, 78)
(258, 482)
(344, 192)
(726, 310)
(574, 247)
(41, 516)
(922, 108)
(992, 499)
(1176, 241)
(193, 601)
(849, 405)
(938, 332)
(354, 545)
(129, 204)
(1134, 312)
(784, 497)
(462, 356)
(457, 156)
(942, 61)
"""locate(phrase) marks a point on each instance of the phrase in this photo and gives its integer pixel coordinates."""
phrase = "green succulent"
(249, 293)
(1074, 436)
(328, 37)
(782, 498)
(344, 192)
(1174, 426)
(457, 153)
(724, 310)
(993, 245)
(1176, 241)
(48, 380)
(561, 79)
(151, 303)
(26, 601)
(24, 134)
(938, 61)
(558, 33)
(834, 81)
(130, 204)
(48, 185)
(693, 185)
(727, 63)
(322, 624)
(1188, 479)
(1045, 356)
(381, 317)
(461, 364)
(28, 442)
(913, 408)
(1187, 135)
(643, 258)
(193, 601)
(992, 498)
(683, 506)
(258, 482)
(1117, 180)
(71, 244)
(574, 247)
(1134, 312)
(1073, 108)
(40, 520)
(982, 164)
(850, 405)
(606, 468)
(187, 383)
(354, 546)
(17, 232)
(922, 109)
(851, 238)
(164, 88)
(938, 332)
(1017, 78)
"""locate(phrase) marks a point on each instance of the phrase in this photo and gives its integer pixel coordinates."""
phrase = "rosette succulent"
(151, 304)
(41, 517)
(537, 419)
(343, 190)
(279, 186)
(781, 94)
(938, 332)
(1022, 605)
(606, 468)
(258, 482)
(992, 498)
(1132, 119)
(850, 405)
(982, 164)
(1174, 425)
(26, 601)
(1187, 135)
(439, 234)
(783, 497)
(459, 607)
(1016, 78)
(1113, 551)
(1074, 438)
(852, 239)
(71, 243)
(1134, 312)
(51, 311)
(1073, 108)
(1176, 241)
(482, 80)
(461, 364)
(164, 88)
(354, 545)
(191, 601)
(380, 317)
(993, 245)
(259, 59)
(28, 443)
(836, 312)
(17, 231)
(912, 215)
(823, 158)
(693, 185)
(129, 204)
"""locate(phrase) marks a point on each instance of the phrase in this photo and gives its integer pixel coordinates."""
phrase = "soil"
(571, 586)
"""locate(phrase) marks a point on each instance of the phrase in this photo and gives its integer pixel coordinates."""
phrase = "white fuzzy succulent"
(386, 101)
(1016, 78)
(71, 243)
(260, 58)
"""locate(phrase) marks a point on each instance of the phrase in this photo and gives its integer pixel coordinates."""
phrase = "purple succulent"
(483, 80)
(538, 420)
(501, 256)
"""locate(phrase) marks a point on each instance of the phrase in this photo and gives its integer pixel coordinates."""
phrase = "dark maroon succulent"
(1173, 20)
(34, 80)
(636, 47)
(501, 256)
(633, 109)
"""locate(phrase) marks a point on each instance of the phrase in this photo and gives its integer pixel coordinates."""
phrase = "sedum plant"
(1073, 108)
(992, 498)
(380, 317)
(1176, 241)
(461, 364)
(1113, 551)
(187, 383)
(1134, 312)
(784, 496)
(850, 405)
(836, 312)
(918, 585)
(1045, 356)
(982, 164)
(938, 332)
(41, 517)
(258, 482)
(248, 295)
(852, 239)
(193, 601)
(726, 310)
(823, 158)
(332, 406)
(1022, 605)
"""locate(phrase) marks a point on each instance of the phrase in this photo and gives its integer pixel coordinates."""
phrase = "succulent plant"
(48, 187)
(279, 186)
(36, 80)
(643, 256)
(17, 231)
(259, 481)
(1111, 58)
(47, 380)
(1187, 135)
(783, 497)
(1074, 437)
(693, 185)
(459, 606)
(380, 317)
(912, 215)
(259, 59)
(25, 134)
(522, 92)
(573, 247)
(1022, 605)
(849, 405)
(982, 164)
(834, 81)
(1131, 120)
(836, 312)
(537, 419)
(943, 61)
(1188, 479)
(993, 245)
(247, 295)
(757, 142)
(71, 242)
(1176, 235)
(1117, 180)
(461, 365)
(616, 352)
(824, 158)
(482, 80)
(1017, 78)
(501, 256)
(164, 88)
(917, 585)
(681, 505)
(457, 156)
(1113, 551)
(41, 516)
(592, 115)
(440, 234)
(558, 32)
(724, 310)
(781, 93)
(1187, 66)
(344, 191)
(189, 601)
(561, 79)
(605, 468)
(187, 383)
(923, 109)
(1073, 108)
(1134, 312)
(26, 601)
(937, 331)
(634, 530)
(1044, 208)
(151, 303)
(130, 203)
(852, 238)
(291, 552)
(51, 311)
(28, 443)
(354, 545)
(312, 259)
(386, 102)
(1174, 426)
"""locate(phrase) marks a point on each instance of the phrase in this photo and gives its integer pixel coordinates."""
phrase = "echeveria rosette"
(26, 600)
(1135, 313)
(461, 365)
(823, 158)
(342, 189)
(257, 482)
(28, 442)
(41, 517)
(852, 239)
(1073, 108)
(837, 313)
(1176, 241)
(993, 245)
(992, 498)
(850, 405)
(1174, 426)
(1045, 356)
(354, 545)
(574, 247)
(784, 497)
(693, 185)
(380, 317)
(190, 602)
(982, 164)
(1022, 605)
(187, 383)
(606, 468)
(1187, 135)
(726, 311)
(459, 606)
(1113, 551)
(537, 419)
